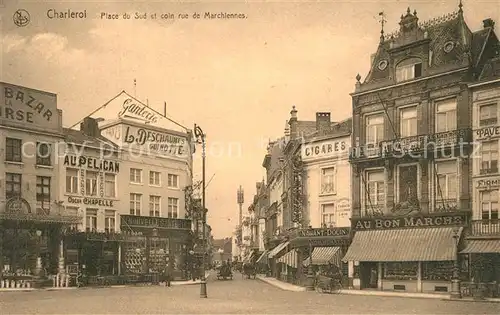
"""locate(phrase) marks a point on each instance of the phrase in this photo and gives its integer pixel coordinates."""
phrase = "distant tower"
(240, 200)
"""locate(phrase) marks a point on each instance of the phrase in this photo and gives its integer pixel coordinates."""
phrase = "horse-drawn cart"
(224, 272)
(249, 270)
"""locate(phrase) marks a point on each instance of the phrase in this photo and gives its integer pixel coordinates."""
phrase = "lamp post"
(200, 138)
(455, 281)
(310, 273)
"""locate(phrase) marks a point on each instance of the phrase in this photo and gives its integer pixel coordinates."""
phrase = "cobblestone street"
(224, 297)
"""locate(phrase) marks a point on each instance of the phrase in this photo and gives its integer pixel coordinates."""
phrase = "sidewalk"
(295, 288)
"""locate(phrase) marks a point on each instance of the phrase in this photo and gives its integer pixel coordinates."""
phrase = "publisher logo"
(21, 18)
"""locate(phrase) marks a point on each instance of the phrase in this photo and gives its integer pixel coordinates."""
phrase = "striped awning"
(482, 247)
(420, 244)
(275, 251)
(263, 259)
(325, 256)
(290, 258)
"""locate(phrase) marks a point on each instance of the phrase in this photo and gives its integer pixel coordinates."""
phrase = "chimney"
(323, 121)
(488, 23)
(90, 127)
(293, 123)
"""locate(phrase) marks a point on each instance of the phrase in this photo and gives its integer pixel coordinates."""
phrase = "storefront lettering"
(139, 111)
(488, 132)
(324, 232)
(155, 141)
(13, 112)
(391, 223)
(91, 163)
(486, 183)
(91, 201)
(155, 222)
(325, 149)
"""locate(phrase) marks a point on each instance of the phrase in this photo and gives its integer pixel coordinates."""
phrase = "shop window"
(408, 70)
(135, 204)
(488, 115)
(173, 181)
(13, 150)
(408, 184)
(446, 115)
(91, 183)
(12, 185)
(489, 157)
(408, 122)
(446, 186)
(71, 181)
(43, 154)
(328, 180)
(43, 194)
(135, 175)
(109, 221)
(154, 206)
(91, 220)
(374, 192)
(154, 178)
(173, 208)
(110, 185)
(328, 215)
(400, 271)
(437, 270)
(489, 211)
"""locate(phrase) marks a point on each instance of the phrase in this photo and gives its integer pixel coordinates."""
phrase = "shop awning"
(263, 258)
(421, 244)
(482, 247)
(275, 251)
(289, 258)
(325, 256)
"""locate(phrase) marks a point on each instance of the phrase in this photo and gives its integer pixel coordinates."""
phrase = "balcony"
(486, 171)
(446, 205)
(485, 227)
(376, 210)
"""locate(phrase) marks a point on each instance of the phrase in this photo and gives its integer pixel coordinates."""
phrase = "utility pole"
(240, 200)
(200, 137)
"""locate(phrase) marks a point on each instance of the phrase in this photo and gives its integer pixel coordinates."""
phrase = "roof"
(78, 137)
(338, 129)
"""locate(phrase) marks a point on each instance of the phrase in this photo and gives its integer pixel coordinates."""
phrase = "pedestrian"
(168, 277)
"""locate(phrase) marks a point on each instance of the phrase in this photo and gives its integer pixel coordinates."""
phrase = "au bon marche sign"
(409, 222)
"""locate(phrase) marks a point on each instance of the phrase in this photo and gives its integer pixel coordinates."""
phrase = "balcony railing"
(486, 227)
(375, 210)
(446, 205)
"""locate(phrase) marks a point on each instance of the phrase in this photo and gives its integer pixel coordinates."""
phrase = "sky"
(238, 79)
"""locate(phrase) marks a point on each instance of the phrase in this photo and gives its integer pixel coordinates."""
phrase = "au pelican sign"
(152, 141)
(27, 107)
(323, 149)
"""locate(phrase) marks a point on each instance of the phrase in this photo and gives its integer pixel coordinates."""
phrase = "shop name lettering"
(326, 148)
(91, 201)
(12, 96)
(324, 232)
(488, 183)
(157, 141)
(408, 222)
(140, 111)
(155, 222)
(91, 163)
(488, 132)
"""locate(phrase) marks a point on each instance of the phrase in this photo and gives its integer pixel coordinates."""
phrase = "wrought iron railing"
(446, 205)
(485, 227)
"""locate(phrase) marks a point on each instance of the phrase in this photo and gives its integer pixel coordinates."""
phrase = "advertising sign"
(409, 222)
(323, 149)
(155, 142)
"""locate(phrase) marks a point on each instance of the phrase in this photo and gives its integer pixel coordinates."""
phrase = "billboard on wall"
(325, 149)
(28, 108)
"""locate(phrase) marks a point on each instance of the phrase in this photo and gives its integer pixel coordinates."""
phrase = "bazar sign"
(91, 201)
(486, 183)
(421, 221)
(324, 149)
(136, 110)
(324, 232)
(91, 163)
(155, 222)
(154, 141)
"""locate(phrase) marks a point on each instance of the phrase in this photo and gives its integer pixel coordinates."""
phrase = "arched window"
(409, 69)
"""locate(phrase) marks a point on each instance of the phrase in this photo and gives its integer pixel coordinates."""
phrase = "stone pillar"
(390, 174)
(1, 252)
(465, 183)
(350, 274)
(424, 185)
(119, 259)
(419, 276)
(61, 267)
(379, 275)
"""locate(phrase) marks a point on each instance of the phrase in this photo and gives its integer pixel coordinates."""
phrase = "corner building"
(411, 173)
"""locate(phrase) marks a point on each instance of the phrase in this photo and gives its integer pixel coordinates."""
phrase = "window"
(400, 271)
(43, 154)
(408, 121)
(489, 205)
(408, 70)
(154, 178)
(12, 185)
(154, 206)
(446, 115)
(135, 204)
(91, 183)
(43, 194)
(173, 181)
(135, 175)
(446, 186)
(109, 221)
(488, 115)
(173, 207)
(13, 150)
(489, 157)
(71, 181)
(375, 192)
(374, 129)
(110, 185)
(328, 215)
(91, 220)
(327, 180)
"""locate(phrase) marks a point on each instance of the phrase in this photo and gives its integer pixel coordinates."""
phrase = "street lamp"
(455, 281)
(310, 273)
(200, 138)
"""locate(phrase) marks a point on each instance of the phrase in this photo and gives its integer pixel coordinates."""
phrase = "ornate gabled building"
(411, 183)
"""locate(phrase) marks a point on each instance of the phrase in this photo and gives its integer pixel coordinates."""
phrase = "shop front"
(409, 254)
(156, 245)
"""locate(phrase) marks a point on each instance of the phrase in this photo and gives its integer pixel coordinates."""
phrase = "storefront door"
(369, 275)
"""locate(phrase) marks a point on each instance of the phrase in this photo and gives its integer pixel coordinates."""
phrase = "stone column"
(61, 267)
(465, 183)
(1, 251)
(390, 173)
(424, 185)
(119, 259)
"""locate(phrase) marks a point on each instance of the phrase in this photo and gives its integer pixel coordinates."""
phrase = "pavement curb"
(281, 285)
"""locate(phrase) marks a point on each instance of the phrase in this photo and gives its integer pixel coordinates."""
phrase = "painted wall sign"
(155, 142)
(488, 132)
(25, 106)
(154, 222)
(406, 222)
(91, 201)
(323, 232)
(325, 149)
(317, 242)
(17, 205)
(487, 183)
(91, 163)
(137, 111)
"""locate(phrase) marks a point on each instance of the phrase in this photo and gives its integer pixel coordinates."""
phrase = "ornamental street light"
(200, 138)
(455, 281)
(310, 273)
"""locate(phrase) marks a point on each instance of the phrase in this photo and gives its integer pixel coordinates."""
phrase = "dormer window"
(409, 69)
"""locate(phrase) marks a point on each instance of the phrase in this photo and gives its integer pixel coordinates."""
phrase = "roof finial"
(408, 11)
(460, 6)
(382, 22)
